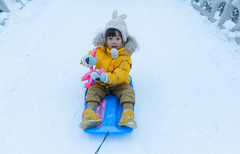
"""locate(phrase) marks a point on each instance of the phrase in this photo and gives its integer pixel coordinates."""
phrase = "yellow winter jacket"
(118, 69)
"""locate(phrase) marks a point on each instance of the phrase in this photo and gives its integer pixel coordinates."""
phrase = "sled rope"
(102, 143)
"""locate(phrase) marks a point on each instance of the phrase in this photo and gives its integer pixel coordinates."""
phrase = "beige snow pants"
(124, 92)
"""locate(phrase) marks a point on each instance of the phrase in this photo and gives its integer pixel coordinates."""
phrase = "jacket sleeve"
(121, 72)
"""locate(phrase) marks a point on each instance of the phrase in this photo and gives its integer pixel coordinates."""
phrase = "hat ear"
(115, 14)
(123, 16)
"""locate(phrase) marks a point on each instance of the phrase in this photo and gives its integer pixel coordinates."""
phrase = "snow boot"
(90, 119)
(127, 119)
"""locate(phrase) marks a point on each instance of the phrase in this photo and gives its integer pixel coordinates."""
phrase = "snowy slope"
(185, 74)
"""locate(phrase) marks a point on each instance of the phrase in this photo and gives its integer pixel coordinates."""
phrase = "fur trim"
(99, 39)
(130, 45)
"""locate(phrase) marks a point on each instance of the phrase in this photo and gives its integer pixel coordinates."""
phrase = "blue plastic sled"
(111, 112)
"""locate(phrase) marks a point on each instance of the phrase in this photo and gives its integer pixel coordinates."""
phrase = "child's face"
(114, 41)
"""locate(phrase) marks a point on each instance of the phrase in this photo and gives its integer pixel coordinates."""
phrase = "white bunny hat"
(117, 22)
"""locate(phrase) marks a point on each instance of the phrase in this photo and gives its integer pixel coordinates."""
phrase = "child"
(114, 55)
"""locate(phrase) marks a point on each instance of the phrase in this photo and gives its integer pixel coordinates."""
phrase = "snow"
(185, 74)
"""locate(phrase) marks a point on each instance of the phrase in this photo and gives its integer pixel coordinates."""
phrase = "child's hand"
(100, 78)
(89, 60)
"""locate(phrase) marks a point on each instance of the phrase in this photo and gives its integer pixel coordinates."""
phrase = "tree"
(3, 7)
(236, 3)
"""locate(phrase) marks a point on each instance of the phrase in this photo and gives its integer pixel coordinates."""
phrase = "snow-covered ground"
(185, 74)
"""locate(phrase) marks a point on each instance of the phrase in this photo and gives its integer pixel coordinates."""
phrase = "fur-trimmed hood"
(130, 45)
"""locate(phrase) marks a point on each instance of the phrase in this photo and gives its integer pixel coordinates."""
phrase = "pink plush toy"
(87, 76)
